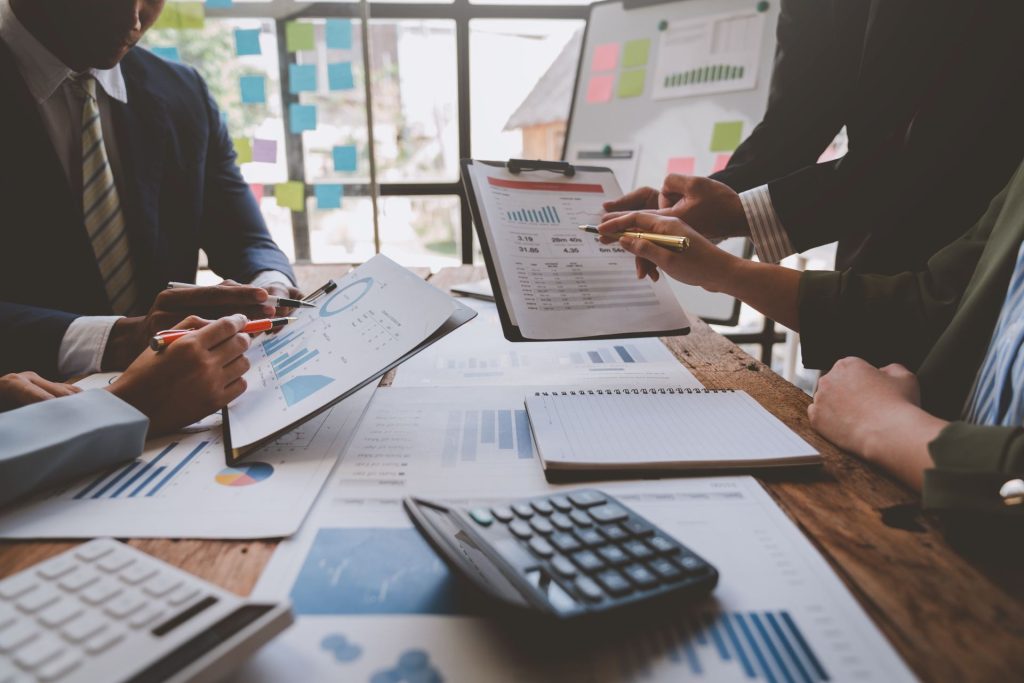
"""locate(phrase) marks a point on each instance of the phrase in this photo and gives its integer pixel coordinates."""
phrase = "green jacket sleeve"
(972, 462)
(889, 318)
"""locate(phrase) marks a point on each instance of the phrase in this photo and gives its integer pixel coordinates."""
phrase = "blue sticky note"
(247, 41)
(345, 158)
(338, 34)
(301, 78)
(219, 4)
(328, 195)
(169, 53)
(253, 89)
(339, 76)
(301, 117)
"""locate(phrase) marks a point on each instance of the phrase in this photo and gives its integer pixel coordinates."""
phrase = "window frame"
(462, 12)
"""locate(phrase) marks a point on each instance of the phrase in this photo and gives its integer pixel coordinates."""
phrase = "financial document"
(709, 55)
(378, 313)
(477, 354)
(556, 281)
(180, 486)
(374, 602)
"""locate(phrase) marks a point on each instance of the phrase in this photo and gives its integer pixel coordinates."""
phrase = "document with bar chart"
(370, 598)
(478, 355)
(436, 440)
(180, 487)
(709, 55)
(552, 281)
(379, 313)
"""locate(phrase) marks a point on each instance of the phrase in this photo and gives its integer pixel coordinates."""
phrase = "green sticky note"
(243, 150)
(726, 136)
(291, 195)
(635, 53)
(298, 36)
(192, 15)
(631, 83)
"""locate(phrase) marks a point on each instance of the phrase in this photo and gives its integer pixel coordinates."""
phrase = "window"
(290, 79)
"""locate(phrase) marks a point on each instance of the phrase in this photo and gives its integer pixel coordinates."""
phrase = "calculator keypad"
(594, 547)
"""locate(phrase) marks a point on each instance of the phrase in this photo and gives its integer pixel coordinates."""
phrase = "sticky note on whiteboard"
(345, 158)
(631, 83)
(721, 161)
(301, 117)
(636, 53)
(301, 78)
(243, 150)
(171, 53)
(338, 34)
(600, 89)
(328, 195)
(298, 36)
(247, 41)
(264, 151)
(339, 76)
(682, 165)
(726, 136)
(257, 191)
(291, 195)
(253, 89)
(606, 57)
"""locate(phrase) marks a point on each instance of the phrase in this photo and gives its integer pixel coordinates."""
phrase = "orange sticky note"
(721, 161)
(600, 89)
(682, 165)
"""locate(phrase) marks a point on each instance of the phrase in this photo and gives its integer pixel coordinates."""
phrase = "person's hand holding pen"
(712, 208)
(701, 263)
(130, 336)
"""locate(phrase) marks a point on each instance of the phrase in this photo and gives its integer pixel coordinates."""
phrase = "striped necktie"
(998, 394)
(101, 207)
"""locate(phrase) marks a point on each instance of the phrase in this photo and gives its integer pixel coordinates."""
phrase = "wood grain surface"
(950, 618)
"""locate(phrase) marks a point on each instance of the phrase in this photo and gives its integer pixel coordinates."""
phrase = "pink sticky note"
(682, 165)
(606, 57)
(264, 151)
(600, 89)
(721, 161)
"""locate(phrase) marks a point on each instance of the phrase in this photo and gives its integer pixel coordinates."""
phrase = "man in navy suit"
(116, 171)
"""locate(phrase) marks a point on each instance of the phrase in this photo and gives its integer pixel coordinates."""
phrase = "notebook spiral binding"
(631, 392)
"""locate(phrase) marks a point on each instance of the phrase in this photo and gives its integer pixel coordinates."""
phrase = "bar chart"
(705, 74)
(142, 478)
(545, 215)
(486, 433)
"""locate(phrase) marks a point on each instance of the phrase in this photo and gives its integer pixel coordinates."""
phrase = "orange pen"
(164, 339)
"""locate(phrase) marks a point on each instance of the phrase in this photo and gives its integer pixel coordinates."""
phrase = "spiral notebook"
(654, 429)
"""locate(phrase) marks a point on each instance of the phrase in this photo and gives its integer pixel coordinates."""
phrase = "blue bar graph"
(284, 363)
(595, 357)
(177, 468)
(277, 342)
(624, 354)
(545, 214)
(472, 435)
(138, 477)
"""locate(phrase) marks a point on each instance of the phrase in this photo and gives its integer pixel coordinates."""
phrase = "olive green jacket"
(938, 322)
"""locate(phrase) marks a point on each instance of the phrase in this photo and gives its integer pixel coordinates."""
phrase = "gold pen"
(674, 242)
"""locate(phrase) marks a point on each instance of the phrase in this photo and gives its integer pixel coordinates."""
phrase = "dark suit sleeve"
(30, 338)
(805, 103)
(972, 462)
(234, 234)
(894, 318)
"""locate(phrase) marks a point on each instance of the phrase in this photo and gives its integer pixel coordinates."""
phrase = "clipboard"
(459, 316)
(511, 331)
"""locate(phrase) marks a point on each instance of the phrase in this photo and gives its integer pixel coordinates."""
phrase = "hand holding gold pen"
(677, 243)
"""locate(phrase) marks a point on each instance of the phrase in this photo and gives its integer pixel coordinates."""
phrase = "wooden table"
(951, 619)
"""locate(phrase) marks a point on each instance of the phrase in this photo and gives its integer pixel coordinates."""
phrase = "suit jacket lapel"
(143, 130)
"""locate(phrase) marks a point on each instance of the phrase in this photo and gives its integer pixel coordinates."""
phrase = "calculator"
(574, 556)
(104, 611)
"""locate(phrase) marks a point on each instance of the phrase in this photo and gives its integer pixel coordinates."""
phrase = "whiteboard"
(703, 87)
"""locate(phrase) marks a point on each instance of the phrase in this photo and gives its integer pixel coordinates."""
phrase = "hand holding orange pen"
(162, 340)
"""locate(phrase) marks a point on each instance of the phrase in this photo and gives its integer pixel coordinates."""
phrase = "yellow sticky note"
(726, 136)
(291, 195)
(243, 150)
(298, 36)
(635, 53)
(631, 83)
(192, 15)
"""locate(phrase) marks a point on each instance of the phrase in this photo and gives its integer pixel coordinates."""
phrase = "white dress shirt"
(766, 230)
(60, 109)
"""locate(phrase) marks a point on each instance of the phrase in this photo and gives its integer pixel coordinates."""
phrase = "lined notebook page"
(685, 430)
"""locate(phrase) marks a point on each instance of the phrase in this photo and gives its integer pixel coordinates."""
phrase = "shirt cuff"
(85, 340)
(269, 277)
(766, 231)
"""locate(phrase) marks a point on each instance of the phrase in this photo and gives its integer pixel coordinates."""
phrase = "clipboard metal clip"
(517, 166)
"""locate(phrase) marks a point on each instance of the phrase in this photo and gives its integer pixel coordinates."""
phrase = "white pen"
(277, 301)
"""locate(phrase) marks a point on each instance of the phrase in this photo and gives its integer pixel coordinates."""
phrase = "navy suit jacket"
(183, 192)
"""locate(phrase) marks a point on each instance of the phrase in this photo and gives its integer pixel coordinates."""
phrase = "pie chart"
(245, 474)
